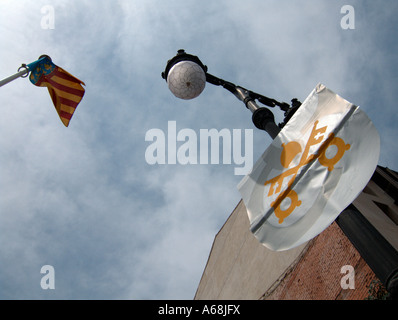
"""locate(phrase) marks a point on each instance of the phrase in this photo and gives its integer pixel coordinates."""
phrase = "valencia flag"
(66, 91)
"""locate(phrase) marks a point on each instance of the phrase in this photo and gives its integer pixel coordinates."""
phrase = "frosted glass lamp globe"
(186, 80)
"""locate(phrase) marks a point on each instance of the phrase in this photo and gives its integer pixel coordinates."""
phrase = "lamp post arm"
(248, 93)
(262, 117)
(241, 93)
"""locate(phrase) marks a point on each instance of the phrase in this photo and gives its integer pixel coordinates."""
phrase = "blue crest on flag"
(42, 67)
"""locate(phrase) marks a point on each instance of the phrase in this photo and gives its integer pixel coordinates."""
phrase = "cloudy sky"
(84, 200)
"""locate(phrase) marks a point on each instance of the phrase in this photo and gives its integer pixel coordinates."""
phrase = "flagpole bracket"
(45, 56)
(24, 66)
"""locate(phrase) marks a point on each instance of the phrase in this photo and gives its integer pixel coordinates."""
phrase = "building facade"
(355, 258)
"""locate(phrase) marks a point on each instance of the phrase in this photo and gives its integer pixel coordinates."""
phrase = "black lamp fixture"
(186, 76)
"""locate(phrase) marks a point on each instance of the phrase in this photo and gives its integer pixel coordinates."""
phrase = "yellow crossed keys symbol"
(290, 151)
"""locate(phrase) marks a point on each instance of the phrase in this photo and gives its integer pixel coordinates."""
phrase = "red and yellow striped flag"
(66, 91)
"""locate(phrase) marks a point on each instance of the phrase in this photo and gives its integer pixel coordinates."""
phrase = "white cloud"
(185, 228)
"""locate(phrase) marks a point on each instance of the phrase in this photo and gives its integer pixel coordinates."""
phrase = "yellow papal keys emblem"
(289, 152)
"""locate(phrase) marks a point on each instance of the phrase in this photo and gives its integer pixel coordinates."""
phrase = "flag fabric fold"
(316, 166)
(66, 91)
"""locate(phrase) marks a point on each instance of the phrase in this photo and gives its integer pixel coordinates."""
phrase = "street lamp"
(186, 77)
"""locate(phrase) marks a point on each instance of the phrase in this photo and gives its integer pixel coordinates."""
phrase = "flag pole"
(22, 73)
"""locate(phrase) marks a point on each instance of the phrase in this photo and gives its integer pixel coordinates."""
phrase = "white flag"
(317, 165)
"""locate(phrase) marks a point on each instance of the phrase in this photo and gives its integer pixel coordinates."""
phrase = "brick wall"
(317, 275)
